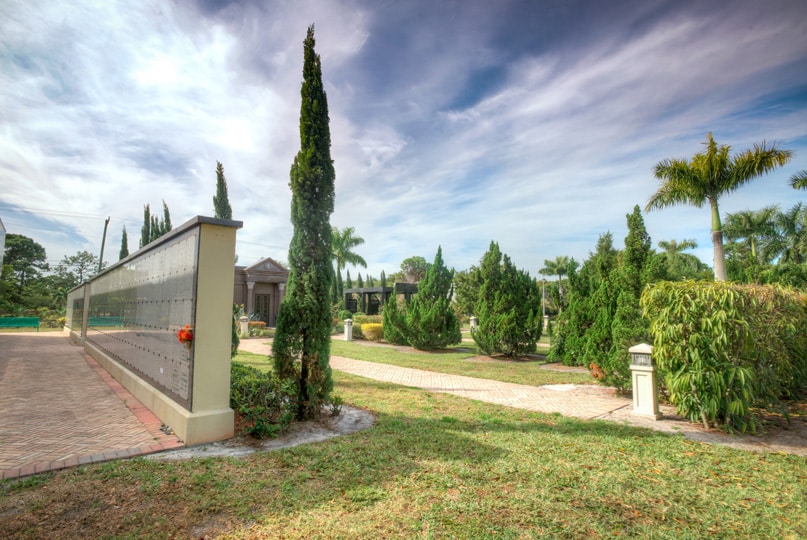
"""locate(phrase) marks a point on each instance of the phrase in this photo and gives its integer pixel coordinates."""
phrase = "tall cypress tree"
(154, 227)
(221, 202)
(145, 230)
(628, 327)
(165, 223)
(304, 322)
(124, 245)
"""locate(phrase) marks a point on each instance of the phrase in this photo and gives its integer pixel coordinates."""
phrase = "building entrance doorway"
(262, 302)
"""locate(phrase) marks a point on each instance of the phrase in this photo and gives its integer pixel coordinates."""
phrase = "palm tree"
(342, 244)
(679, 264)
(753, 227)
(789, 240)
(799, 180)
(557, 267)
(673, 247)
(708, 176)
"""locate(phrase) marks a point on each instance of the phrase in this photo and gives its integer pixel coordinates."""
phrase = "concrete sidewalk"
(59, 408)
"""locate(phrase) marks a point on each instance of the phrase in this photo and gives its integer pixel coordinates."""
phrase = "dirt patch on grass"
(349, 420)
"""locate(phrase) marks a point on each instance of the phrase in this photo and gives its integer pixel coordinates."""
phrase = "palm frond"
(799, 180)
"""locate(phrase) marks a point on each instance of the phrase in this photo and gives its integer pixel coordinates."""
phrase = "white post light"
(348, 329)
(643, 372)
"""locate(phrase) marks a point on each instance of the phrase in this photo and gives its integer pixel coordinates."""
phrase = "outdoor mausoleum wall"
(128, 318)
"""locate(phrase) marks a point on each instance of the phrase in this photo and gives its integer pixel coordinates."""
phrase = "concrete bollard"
(348, 329)
(474, 324)
(645, 388)
(244, 326)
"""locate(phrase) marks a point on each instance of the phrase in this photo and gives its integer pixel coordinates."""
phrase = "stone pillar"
(474, 324)
(546, 322)
(282, 288)
(348, 329)
(643, 372)
(250, 297)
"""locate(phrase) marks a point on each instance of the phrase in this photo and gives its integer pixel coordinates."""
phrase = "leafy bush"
(235, 341)
(372, 331)
(357, 333)
(258, 328)
(267, 404)
(361, 318)
(725, 349)
(345, 314)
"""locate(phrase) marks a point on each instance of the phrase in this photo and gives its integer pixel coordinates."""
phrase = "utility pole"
(103, 241)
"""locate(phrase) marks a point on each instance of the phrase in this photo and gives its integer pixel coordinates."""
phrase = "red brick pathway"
(59, 408)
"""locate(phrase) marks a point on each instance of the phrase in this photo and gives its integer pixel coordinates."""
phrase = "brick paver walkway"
(59, 408)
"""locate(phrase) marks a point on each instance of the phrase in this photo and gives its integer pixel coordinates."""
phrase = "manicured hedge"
(372, 331)
(725, 349)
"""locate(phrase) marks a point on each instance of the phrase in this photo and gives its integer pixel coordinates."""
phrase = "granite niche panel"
(137, 309)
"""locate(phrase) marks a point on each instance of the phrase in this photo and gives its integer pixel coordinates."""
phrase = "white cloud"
(106, 108)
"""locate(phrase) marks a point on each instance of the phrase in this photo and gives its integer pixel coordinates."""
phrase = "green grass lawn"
(460, 363)
(433, 466)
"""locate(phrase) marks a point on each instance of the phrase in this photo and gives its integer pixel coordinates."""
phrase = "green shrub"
(428, 322)
(256, 328)
(361, 318)
(345, 314)
(725, 349)
(372, 331)
(235, 341)
(509, 307)
(267, 404)
(357, 333)
(394, 322)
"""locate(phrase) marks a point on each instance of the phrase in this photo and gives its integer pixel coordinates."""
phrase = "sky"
(535, 123)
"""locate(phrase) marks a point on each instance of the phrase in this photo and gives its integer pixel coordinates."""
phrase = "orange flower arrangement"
(185, 335)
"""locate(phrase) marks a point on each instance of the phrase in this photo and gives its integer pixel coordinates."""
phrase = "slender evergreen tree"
(628, 327)
(221, 202)
(165, 223)
(145, 230)
(153, 226)
(124, 245)
(302, 340)
(360, 285)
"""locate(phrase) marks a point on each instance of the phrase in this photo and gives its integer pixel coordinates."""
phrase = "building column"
(250, 297)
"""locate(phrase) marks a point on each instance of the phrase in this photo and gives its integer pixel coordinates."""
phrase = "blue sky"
(533, 123)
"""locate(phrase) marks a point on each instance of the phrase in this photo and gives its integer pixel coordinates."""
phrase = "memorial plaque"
(137, 309)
